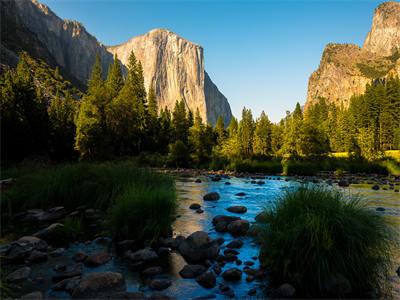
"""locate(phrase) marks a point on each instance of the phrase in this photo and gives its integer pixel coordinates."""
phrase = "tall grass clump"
(140, 202)
(91, 184)
(317, 240)
(143, 212)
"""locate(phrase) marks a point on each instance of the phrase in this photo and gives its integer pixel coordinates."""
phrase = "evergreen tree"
(93, 136)
(180, 129)
(220, 131)
(152, 103)
(262, 136)
(245, 132)
(61, 114)
(114, 82)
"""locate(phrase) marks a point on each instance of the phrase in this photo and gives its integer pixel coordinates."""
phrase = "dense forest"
(43, 115)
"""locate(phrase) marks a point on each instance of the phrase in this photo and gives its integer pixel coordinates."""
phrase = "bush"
(178, 155)
(255, 166)
(140, 213)
(313, 235)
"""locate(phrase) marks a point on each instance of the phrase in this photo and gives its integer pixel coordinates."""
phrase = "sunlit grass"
(314, 233)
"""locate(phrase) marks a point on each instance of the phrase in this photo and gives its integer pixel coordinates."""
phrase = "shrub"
(255, 166)
(313, 234)
(178, 155)
(300, 168)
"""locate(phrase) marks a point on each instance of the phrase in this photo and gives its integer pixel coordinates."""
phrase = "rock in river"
(152, 271)
(76, 270)
(213, 196)
(19, 275)
(160, 284)
(97, 259)
(235, 244)
(145, 255)
(233, 274)
(79, 255)
(207, 279)
(52, 232)
(238, 227)
(99, 285)
(237, 209)
(192, 271)
(198, 247)
(221, 222)
(194, 206)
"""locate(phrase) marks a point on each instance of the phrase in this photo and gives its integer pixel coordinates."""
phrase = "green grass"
(143, 212)
(312, 233)
(105, 186)
(255, 166)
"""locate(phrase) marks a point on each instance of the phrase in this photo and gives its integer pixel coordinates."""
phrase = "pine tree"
(245, 132)
(114, 82)
(92, 129)
(220, 130)
(180, 127)
(152, 103)
(262, 136)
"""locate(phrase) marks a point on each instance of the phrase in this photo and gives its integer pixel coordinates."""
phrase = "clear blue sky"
(259, 53)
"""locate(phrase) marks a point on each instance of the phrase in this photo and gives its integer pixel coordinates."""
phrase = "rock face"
(172, 64)
(345, 69)
(384, 37)
(175, 68)
(68, 41)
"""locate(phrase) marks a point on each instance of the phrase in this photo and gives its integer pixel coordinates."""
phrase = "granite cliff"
(172, 64)
(175, 68)
(345, 69)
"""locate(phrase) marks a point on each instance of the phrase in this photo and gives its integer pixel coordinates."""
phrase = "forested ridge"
(43, 115)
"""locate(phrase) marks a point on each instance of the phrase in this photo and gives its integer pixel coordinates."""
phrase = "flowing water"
(188, 221)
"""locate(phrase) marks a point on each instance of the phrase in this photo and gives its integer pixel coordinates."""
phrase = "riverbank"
(166, 266)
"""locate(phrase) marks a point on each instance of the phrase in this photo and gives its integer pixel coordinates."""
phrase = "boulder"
(262, 217)
(37, 243)
(159, 296)
(233, 274)
(375, 187)
(53, 214)
(221, 222)
(144, 255)
(240, 194)
(99, 285)
(19, 275)
(237, 209)
(207, 280)
(33, 296)
(63, 284)
(97, 259)
(199, 211)
(32, 215)
(59, 267)
(37, 257)
(53, 232)
(194, 206)
(198, 247)
(79, 255)
(197, 180)
(238, 227)
(286, 290)
(152, 271)
(135, 296)
(75, 270)
(235, 244)
(212, 196)
(160, 284)
(192, 271)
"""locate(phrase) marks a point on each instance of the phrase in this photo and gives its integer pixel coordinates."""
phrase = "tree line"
(117, 117)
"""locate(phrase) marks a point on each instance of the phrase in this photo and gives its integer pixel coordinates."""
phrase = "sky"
(258, 53)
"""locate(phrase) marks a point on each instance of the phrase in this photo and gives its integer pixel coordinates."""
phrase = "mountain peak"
(384, 37)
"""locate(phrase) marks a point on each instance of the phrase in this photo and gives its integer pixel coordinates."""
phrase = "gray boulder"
(19, 275)
(192, 271)
(198, 247)
(97, 259)
(212, 196)
(207, 280)
(99, 285)
(221, 222)
(238, 227)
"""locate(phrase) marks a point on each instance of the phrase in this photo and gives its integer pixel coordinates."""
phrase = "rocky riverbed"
(212, 252)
